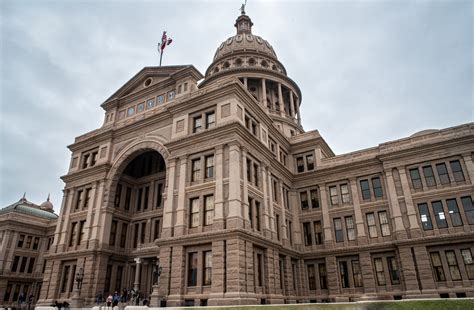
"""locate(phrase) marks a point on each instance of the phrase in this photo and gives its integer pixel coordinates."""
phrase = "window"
(20, 241)
(304, 200)
(310, 162)
(31, 265)
(323, 280)
(457, 171)
(437, 266)
(36, 243)
(384, 226)
(160, 99)
(72, 237)
(197, 124)
(468, 209)
(255, 174)
(128, 198)
(453, 265)
(439, 214)
(118, 195)
(365, 188)
(130, 111)
(300, 164)
(334, 195)
(468, 263)
(156, 233)
(377, 186)
(415, 178)
(194, 222)
(259, 269)
(142, 232)
(65, 279)
(79, 198)
(207, 274)
(379, 271)
(208, 210)
(371, 225)
(251, 124)
(393, 270)
(171, 95)
(135, 235)
(425, 216)
(113, 232)
(28, 242)
(123, 235)
(344, 274)
(356, 273)
(429, 176)
(350, 228)
(254, 213)
(87, 197)
(453, 211)
(338, 230)
(318, 232)
(307, 233)
(196, 167)
(210, 120)
(150, 103)
(311, 277)
(192, 268)
(16, 260)
(345, 193)
(314, 198)
(209, 167)
(443, 173)
(140, 107)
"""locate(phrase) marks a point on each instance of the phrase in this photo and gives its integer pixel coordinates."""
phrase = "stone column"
(95, 229)
(235, 218)
(168, 202)
(395, 210)
(332, 277)
(66, 219)
(245, 83)
(218, 273)
(93, 206)
(280, 100)
(267, 230)
(136, 282)
(236, 271)
(359, 220)
(179, 226)
(59, 225)
(412, 215)
(469, 166)
(292, 106)
(245, 194)
(408, 272)
(328, 241)
(284, 235)
(298, 111)
(264, 93)
(368, 280)
(219, 191)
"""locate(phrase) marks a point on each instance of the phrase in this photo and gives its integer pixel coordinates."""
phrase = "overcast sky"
(369, 71)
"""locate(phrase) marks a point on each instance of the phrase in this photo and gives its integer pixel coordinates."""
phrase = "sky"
(369, 71)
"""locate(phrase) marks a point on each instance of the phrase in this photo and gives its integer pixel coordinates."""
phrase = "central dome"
(244, 40)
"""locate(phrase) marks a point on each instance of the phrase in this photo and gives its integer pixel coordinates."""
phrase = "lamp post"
(157, 269)
(79, 278)
(76, 300)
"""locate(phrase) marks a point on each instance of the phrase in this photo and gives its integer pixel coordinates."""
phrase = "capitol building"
(206, 190)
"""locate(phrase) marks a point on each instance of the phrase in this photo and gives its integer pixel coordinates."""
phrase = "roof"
(26, 207)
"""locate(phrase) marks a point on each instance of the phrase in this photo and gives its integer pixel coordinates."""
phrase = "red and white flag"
(165, 41)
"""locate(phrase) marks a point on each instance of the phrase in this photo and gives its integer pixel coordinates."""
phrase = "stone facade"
(217, 185)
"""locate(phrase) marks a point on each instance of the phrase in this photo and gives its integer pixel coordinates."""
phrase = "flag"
(165, 41)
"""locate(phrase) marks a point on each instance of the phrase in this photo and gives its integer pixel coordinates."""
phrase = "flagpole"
(161, 55)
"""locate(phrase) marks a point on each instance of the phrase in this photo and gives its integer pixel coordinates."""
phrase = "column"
(136, 282)
(59, 225)
(264, 93)
(469, 166)
(66, 220)
(273, 224)
(245, 198)
(280, 100)
(267, 230)
(245, 83)
(218, 272)
(412, 215)
(236, 284)
(93, 206)
(328, 241)
(395, 211)
(408, 271)
(168, 201)
(292, 106)
(219, 194)
(298, 116)
(179, 226)
(284, 235)
(235, 218)
(368, 280)
(148, 237)
(359, 220)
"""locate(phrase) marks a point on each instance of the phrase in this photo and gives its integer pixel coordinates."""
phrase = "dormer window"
(89, 158)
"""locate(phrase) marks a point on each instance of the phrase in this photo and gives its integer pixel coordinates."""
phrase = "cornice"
(97, 172)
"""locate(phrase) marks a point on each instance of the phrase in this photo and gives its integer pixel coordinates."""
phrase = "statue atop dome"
(242, 8)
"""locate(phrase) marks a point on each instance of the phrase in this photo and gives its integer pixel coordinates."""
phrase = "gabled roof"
(158, 73)
(26, 207)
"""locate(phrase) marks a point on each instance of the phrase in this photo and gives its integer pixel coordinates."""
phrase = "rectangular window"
(350, 228)
(377, 186)
(468, 209)
(425, 216)
(159, 194)
(113, 232)
(314, 198)
(118, 277)
(468, 263)
(307, 233)
(118, 194)
(304, 200)
(344, 274)
(249, 170)
(209, 167)
(338, 230)
(108, 275)
(192, 268)
(23, 263)
(135, 235)
(128, 198)
(318, 232)
(300, 164)
(379, 271)
(393, 270)
(439, 214)
(257, 219)
(81, 232)
(123, 235)
(8, 292)
(196, 170)
(28, 242)
(16, 260)
(210, 120)
(415, 178)
(457, 171)
(429, 176)
(453, 211)
(437, 266)
(333, 195)
(87, 198)
(208, 210)
(356, 273)
(72, 236)
(453, 265)
(207, 270)
(65, 279)
(310, 162)
(255, 174)
(31, 265)
(79, 199)
(384, 226)
(365, 188)
(142, 232)
(311, 277)
(197, 124)
(21, 240)
(259, 269)
(277, 223)
(443, 173)
(323, 279)
(156, 234)
(345, 193)
(139, 199)
(146, 197)
(194, 221)
(371, 225)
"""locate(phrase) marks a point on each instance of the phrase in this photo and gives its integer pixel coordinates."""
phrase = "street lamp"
(79, 278)
(156, 272)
